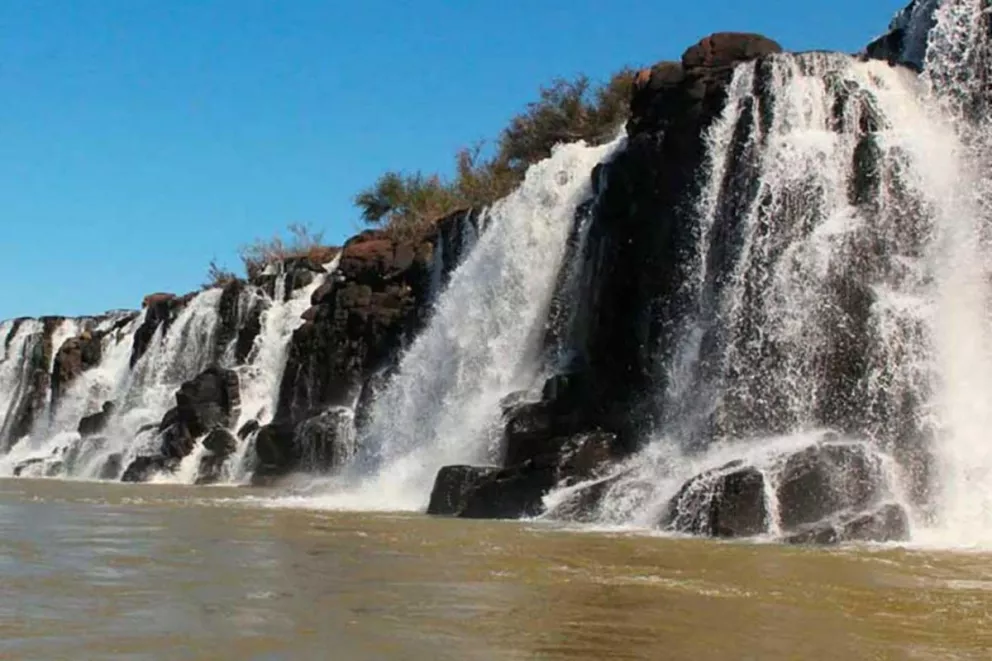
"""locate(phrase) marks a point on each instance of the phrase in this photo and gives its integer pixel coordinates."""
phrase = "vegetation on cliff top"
(302, 243)
(407, 203)
(567, 110)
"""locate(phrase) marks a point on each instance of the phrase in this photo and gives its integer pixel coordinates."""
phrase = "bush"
(217, 276)
(303, 242)
(566, 111)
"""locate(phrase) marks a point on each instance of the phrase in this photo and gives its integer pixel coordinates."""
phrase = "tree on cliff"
(567, 110)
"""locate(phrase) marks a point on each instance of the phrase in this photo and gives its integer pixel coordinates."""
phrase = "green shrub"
(565, 112)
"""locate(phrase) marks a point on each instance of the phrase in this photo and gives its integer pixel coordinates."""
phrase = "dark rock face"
(639, 235)
(160, 310)
(326, 440)
(724, 502)
(73, 358)
(208, 403)
(94, 424)
(316, 444)
(548, 443)
(376, 301)
(112, 468)
(239, 321)
(211, 400)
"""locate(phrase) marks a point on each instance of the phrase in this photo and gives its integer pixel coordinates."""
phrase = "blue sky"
(139, 139)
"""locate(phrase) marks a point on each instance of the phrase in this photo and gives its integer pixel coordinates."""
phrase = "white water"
(481, 344)
(927, 337)
(14, 371)
(261, 376)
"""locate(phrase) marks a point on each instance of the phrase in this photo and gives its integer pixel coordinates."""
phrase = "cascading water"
(261, 376)
(840, 281)
(482, 343)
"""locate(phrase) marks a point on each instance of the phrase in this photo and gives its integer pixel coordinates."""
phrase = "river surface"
(98, 571)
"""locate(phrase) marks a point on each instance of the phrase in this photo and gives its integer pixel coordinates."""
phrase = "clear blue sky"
(141, 138)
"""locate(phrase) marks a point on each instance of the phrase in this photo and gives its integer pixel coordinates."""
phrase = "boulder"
(210, 400)
(221, 442)
(827, 478)
(491, 493)
(454, 485)
(275, 451)
(26, 464)
(111, 468)
(92, 425)
(724, 502)
(142, 468)
(888, 523)
(726, 49)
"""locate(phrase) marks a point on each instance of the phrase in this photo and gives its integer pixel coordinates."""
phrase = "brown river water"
(97, 571)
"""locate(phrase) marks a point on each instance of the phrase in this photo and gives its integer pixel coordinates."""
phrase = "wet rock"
(325, 441)
(142, 468)
(248, 429)
(275, 451)
(211, 469)
(453, 486)
(111, 468)
(211, 400)
(491, 493)
(160, 310)
(74, 357)
(889, 523)
(26, 464)
(221, 442)
(92, 425)
(825, 479)
(725, 502)
(362, 315)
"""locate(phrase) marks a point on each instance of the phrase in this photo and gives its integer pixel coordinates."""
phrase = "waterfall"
(261, 376)
(839, 287)
(21, 339)
(482, 343)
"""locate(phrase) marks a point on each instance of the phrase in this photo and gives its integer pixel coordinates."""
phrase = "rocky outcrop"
(210, 402)
(361, 316)
(74, 357)
(160, 310)
(639, 235)
(547, 443)
(94, 424)
(724, 502)
(588, 418)
(888, 523)
(829, 492)
(315, 445)
(239, 321)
